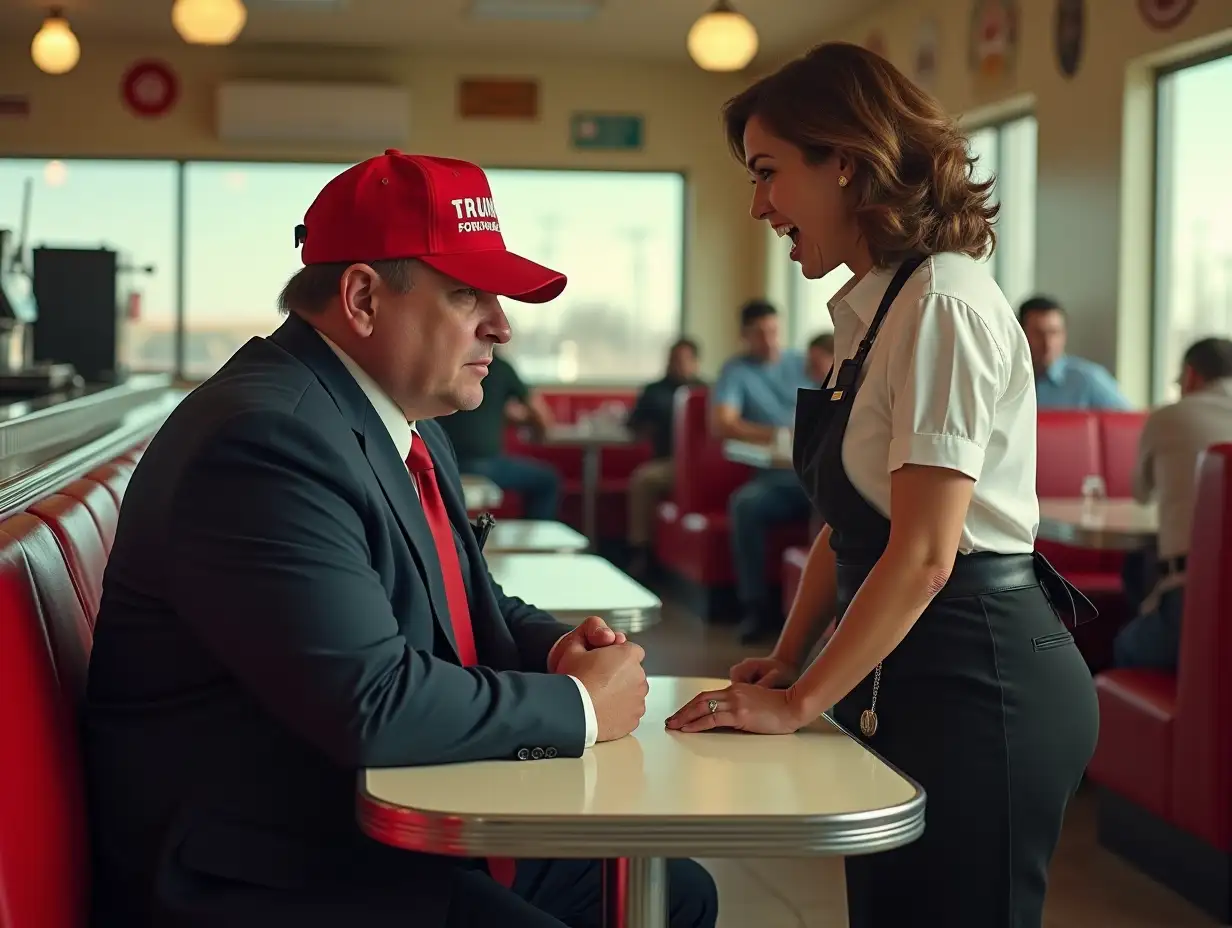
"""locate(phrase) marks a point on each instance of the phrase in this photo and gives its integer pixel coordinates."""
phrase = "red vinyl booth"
(1164, 759)
(693, 533)
(51, 564)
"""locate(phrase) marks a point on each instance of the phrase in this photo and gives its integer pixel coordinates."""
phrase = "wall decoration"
(1069, 31)
(876, 43)
(609, 131)
(14, 104)
(994, 38)
(1164, 14)
(498, 98)
(927, 53)
(150, 88)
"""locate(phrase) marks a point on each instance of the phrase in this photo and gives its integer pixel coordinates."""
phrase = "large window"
(1193, 235)
(219, 237)
(126, 206)
(1005, 152)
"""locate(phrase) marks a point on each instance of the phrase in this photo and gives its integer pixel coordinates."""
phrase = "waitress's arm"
(928, 508)
(814, 603)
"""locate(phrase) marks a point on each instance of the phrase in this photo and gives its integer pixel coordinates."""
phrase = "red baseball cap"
(437, 210)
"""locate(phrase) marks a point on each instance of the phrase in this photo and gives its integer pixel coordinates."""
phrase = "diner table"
(591, 435)
(480, 493)
(534, 536)
(770, 456)
(573, 587)
(650, 796)
(1102, 524)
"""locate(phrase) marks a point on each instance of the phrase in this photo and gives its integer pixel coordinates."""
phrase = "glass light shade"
(55, 49)
(209, 22)
(722, 40)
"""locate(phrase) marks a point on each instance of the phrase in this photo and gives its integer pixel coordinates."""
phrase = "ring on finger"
(713, 706)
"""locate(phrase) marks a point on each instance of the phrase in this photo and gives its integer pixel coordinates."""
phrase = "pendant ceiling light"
(55, 49)
(722, 39)
(209, 22)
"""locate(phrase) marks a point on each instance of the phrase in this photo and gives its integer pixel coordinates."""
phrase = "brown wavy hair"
(912, 187)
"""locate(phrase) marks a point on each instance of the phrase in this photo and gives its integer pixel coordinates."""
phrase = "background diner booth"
(150, 178)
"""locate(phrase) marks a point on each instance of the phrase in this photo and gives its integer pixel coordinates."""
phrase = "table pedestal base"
(635, 893)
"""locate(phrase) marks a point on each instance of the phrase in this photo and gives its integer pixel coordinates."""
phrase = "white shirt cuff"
(592, 721)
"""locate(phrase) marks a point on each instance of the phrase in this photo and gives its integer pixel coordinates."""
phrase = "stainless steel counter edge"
(641, 836)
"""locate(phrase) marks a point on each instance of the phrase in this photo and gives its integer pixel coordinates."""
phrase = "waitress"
(949, 659)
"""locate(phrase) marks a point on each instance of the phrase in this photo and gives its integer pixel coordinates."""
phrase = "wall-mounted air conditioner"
(343, 114)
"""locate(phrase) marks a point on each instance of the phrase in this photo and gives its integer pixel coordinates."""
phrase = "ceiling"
(641, 29)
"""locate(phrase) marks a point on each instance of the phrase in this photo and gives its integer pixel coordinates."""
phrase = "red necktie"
(419, 463)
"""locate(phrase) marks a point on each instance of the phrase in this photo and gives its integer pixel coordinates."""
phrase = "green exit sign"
(607, 131)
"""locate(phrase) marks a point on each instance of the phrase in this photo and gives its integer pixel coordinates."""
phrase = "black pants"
(989, 706)
(555, 893)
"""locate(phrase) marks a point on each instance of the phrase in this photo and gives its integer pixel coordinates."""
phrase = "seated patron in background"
(478, 437)
(652, 420)
(1173, 439)
(755, 398)
(295, 595)
(1063, 381)
(819, 357)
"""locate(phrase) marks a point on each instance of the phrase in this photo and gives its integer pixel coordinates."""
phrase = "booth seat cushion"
(82, 544)
(102, 505)
(1137, 711)
(44, 875)
(114, 476)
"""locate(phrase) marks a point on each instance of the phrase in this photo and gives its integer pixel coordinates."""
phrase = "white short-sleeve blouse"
(948, 383)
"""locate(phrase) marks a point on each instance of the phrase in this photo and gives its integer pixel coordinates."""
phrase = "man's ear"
(357, 291)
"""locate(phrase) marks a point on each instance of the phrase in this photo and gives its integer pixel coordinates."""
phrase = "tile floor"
(1090, 888)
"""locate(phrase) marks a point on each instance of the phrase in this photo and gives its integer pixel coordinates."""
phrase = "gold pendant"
(868, 723)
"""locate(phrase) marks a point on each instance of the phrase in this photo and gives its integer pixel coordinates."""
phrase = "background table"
(574, 586)
(534, 536)
(765, 457)
(480, 493)
(654, 795)
(592, 437)
(1109, 524)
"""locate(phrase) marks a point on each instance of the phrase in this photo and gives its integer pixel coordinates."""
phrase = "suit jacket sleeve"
(534, 631)
(272, 571)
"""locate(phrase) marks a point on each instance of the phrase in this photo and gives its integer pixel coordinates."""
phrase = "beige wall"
(1094, 186)
(80, 114)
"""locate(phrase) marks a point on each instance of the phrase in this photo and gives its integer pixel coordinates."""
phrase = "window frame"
(180, 230)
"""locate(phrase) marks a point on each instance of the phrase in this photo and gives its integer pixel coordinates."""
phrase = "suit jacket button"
(523, 754)
(536, 754)
(550, 753)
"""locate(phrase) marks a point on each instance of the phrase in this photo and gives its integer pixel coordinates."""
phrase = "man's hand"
(591, 634)
(616, 681)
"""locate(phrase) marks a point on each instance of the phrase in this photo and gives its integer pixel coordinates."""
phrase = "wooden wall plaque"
(498, 98)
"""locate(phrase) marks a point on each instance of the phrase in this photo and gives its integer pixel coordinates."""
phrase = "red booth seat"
(51, 566)
(1164, 757)
(693, 531)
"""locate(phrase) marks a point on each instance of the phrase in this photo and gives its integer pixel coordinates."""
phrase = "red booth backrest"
(1119, 433)
(81, 542)
(704, 478)
(1202, 754)
(1067, 442)
(44, 648)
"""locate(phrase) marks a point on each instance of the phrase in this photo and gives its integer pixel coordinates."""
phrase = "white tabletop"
(655, 793)
(575, 586)
(1109, 524)
(757, 455)
(480, 492)
(589, 434)
(533, 536)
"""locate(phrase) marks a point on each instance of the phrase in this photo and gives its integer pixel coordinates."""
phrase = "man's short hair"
(685, 343)
(1040, 303)
(1210, 358)
(312, 287)
(824, 341)
(753, 310)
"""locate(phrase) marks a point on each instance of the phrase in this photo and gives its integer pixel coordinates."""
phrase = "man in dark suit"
(295, 594)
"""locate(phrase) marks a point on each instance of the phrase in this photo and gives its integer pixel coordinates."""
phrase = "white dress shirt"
(1172, 439)
(948, 383)
(403, 434)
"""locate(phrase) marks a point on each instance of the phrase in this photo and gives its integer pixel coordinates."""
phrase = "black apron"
(986, 703)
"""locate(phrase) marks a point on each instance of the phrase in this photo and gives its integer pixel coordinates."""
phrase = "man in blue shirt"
(1063, 381)
(754, 398)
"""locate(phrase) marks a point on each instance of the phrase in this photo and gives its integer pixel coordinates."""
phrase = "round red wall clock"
(150, 88)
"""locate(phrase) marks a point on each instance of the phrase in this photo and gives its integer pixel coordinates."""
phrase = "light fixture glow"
(55, 49)
(209, 22)
(722, 39)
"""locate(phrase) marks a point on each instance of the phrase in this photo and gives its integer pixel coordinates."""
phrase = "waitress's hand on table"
(616, 681)
(592, 633)
(742, 706)
(769, 671)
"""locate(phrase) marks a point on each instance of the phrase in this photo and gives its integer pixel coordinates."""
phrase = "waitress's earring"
(842, 181)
